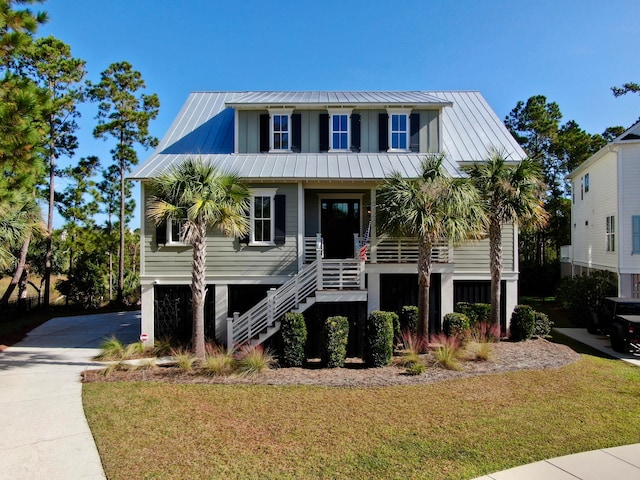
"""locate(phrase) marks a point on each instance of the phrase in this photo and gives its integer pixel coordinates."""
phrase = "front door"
(339, 220)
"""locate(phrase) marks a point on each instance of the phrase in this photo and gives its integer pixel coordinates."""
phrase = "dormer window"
(399, 130)
(280, 126)
(340, 133)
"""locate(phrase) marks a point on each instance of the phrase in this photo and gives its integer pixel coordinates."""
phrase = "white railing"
(262, 316)
(342, 274)
(406, 250)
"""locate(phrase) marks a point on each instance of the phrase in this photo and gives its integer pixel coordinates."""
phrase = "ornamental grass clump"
(412, 346)
(111, 349)
(335, 333)
(294, 338)
(446, 351)
(378, 345)
(218, 361)
(184, 359)
(253, 359)
(133, 350)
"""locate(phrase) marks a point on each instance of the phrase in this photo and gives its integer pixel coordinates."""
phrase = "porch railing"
(387, 250)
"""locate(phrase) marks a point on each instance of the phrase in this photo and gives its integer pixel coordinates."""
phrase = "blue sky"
(571, 51)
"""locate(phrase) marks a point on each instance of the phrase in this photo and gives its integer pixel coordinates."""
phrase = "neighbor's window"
(635, 229)
(262, 217)
(611, 234)
(586, 183)
(280, 127)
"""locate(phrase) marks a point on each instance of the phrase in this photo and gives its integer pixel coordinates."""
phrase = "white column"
(373, 292)
(300, 226)
(512, 298)
(147, 313)
(446, 289)
(373, 234)
(221, 295)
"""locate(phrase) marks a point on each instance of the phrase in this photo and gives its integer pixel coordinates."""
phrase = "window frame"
(611, 233)
(262, 193)
(406, 112)
(272, 132)
(170, 241)
(334, 113)
(586, 182)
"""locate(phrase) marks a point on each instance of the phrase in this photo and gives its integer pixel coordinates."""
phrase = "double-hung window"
(340, 134)
(169, 233)
(262, 216)
(280, 138)
(398, 130)
(611, 234)
(635, 233)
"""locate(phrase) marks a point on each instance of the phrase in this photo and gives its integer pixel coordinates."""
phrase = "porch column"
(512, 299)
(373, 248)
(373, 292)
(147, 313)
(300, 226)
(446, 289)
(221, 296)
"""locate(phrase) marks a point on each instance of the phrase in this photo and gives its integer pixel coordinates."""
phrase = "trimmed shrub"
(378, 348)
(455, 324)
(542, 325)
(409, 318)
(475, 312)
(395, 320)
(583, 294)
(294, 337)
(335, 333)
(523, 322)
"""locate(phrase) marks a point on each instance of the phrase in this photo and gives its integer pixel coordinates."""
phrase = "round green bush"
(523, 322)
(294, 337)
(335, 333)
(379, 338)
(542, 327)
(475, 312)
(409, 319)
(455, 324)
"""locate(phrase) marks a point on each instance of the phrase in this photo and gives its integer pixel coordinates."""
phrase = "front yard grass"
(455, 429)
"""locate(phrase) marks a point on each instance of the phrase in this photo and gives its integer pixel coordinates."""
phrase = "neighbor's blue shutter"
(636, 233)
(280, 219)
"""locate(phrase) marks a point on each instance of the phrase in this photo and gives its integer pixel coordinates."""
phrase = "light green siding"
(473, 256)
(226, 256)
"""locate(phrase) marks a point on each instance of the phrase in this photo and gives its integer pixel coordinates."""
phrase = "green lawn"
(456, 429)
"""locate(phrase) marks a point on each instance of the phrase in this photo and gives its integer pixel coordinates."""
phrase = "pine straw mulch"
(507, 356)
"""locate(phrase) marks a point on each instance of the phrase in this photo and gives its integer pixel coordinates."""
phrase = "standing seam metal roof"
(204, 127)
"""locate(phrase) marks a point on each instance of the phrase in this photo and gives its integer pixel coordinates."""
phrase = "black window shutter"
(280, 220)
(264, 132)
(324, 132)
(296, 132)
(414, 121)
(355, 132)
(383, 132)
(161, 233)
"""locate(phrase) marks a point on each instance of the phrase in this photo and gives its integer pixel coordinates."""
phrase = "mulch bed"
(507, 356)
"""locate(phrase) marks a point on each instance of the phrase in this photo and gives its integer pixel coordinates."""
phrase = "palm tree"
(200, 197)
(432, 207)
(511, 193)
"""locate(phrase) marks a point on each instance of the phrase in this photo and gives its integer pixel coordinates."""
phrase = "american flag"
(364, 245)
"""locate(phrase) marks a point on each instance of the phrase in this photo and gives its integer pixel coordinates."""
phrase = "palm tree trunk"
(199, 290)
(17, 274)
(495, 261)
(424, 286)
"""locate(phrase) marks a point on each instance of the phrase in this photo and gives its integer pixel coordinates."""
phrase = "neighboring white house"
(605, 213)
(313, 161)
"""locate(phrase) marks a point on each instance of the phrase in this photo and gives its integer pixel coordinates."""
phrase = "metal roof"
(204, 127)
(374, 99)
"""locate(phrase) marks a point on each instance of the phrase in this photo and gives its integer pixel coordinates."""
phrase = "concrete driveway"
(43, 430)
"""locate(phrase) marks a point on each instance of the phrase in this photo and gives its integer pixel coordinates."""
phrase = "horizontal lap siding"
(226, 256)
(473, 256)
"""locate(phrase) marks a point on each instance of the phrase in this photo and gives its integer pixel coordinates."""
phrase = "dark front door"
(339, 220)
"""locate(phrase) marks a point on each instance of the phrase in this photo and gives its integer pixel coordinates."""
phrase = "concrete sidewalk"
(43, 431)
(618, 463)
